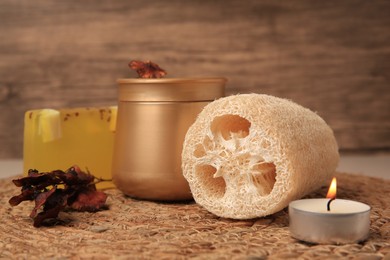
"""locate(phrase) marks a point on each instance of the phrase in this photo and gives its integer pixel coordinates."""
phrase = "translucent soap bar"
(58, 139)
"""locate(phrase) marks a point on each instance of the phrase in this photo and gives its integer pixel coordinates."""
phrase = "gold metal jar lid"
(171, 89)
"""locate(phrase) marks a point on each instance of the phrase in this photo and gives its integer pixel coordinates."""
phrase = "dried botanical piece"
(147, 69)
(56, 190)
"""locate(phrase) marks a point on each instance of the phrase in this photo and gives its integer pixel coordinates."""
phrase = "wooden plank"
(330, 56)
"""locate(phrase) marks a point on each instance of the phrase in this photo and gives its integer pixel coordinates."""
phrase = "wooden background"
(331, 56)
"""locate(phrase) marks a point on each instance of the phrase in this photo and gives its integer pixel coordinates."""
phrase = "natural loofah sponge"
(249, 155)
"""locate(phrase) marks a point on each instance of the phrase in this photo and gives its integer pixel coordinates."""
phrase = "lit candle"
(329, 220)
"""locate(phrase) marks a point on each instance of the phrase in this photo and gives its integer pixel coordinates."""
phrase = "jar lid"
(171, 89)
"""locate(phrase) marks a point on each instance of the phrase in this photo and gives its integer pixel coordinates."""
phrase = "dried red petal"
(40, 200)
(89, 200)
(147, 69)
(34, 178)
(47, 214)
(54, 203)
(27, 194)
(31, 180)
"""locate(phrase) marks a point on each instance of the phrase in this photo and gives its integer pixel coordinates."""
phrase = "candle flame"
(332, 189)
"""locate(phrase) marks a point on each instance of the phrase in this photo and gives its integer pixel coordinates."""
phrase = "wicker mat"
(142, 230)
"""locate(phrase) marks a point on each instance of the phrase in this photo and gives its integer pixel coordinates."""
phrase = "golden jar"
(153, 118)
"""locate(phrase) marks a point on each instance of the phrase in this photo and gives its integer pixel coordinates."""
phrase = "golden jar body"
(153, 118)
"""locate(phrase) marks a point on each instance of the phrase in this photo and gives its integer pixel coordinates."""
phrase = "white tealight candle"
(345, 222)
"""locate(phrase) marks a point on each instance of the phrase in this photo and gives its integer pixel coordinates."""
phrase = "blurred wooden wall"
(330, 56)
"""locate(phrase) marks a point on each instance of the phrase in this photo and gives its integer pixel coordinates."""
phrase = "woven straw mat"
(135, 229)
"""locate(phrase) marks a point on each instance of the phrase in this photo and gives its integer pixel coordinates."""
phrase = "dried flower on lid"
(57, 190)
(147, 69)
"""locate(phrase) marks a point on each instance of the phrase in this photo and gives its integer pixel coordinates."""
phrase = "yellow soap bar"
(58, 139)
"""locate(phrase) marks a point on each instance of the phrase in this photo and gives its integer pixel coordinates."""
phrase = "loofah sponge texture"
(249, 155)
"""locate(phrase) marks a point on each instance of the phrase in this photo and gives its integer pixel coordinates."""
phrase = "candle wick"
(328, 205)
